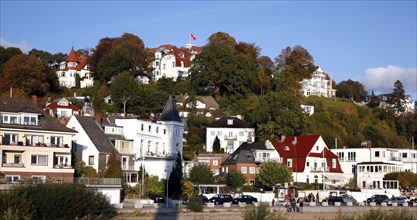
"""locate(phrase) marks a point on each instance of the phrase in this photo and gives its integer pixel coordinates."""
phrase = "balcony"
(20, 143)
(230, 138)
(128, 167)
(99, 181)
(319, 169)
(62, 166)
(21, 165)
(166, 156)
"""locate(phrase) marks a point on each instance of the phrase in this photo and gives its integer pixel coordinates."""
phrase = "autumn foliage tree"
(29, 74)
(114, 168)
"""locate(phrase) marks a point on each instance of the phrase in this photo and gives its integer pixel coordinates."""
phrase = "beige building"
(34, 147)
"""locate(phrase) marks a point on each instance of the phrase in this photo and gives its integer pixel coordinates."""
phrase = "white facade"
(88, 153)
(155, 144)
(308, 109)
(230, 138)
(73, 66)
(318, 85)
(372, 164)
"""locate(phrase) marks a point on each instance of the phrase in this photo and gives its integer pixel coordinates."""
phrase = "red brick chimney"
(35, 99)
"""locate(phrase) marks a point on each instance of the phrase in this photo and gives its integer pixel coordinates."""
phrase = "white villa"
(173, 62)
(320, 84)
(76, 66)
(231, 131)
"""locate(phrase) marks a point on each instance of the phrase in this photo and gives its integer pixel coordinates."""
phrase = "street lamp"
(366, 189)
(166, 174)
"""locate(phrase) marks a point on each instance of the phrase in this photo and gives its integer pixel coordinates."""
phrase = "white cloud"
(382, 79)
(22, 45)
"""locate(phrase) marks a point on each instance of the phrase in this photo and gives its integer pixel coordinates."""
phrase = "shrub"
(195, 204)
(55, 201)
(262, 213)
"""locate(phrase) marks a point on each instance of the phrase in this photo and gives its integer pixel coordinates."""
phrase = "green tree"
(29, 74)
(296, 64)
(350, 89)
(175, 178)
(216, 145)
(154, 185)
(276, 114)
(6, 54)
(237, 180)
(222, 38)
(398, 97)
(114, 169)
(201, 174)
(123, 89)
(377, 138)
(272, 173)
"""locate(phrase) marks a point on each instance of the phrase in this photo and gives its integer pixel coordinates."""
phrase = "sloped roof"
(298, 148)
(54, 105)
(46, 122)
(170, 112)
(95, 133)
(244, 153)
(72, 57)
(223, 123)
(209, 101)
(82, 62)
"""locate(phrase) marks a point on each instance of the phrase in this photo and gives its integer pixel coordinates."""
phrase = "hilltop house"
(311, 160)
(203, 105)
(173, 62)
(34, 147)
(320, 84)
(75, 70)
(231, 131)
(155, 143)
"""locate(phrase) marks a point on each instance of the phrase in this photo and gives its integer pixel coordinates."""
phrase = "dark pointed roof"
(244, 153)
(223, 123)
(95, 133)
(170, 112)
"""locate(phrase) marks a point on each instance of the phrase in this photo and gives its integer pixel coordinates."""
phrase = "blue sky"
(373, 42)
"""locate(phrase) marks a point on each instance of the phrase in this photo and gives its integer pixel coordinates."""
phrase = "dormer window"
(229, 121)
(286, 148)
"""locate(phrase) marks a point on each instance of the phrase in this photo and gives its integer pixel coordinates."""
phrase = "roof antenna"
(72, 43)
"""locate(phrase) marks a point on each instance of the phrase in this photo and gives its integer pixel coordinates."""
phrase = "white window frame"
(289, 162)
(37, 161)
(252, 170)
(243, 170)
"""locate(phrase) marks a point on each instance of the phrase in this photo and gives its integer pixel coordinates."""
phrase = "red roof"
(82, 61)
(72, 57)
(54, 105)
(298, 148)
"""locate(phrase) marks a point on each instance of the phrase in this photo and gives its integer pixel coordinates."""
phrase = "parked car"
(332, 199)
(156, 198)
(378, 198)
(349, 198)
(245, 198)
(412, 201)
(220, 199)
(400, 200)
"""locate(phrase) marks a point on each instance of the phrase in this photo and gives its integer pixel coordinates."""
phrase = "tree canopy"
(175, 178)
(398, 97)
(201, 174)
(350, 89)
(114, 168)
(123, 89)
(272, 173)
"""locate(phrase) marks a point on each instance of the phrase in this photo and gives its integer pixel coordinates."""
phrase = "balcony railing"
(98, 181)
(13, 165)
(230, 137)
(128, 167)
(20, 143)
(319, 169)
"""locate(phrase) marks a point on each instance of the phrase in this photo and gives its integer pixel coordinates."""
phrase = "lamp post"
(166, 173)
(366, 189)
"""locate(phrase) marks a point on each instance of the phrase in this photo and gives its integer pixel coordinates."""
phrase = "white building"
(173, 62)
(369, 165)
(156, 143)
(320, 84)
(231, 131)
(76, 66)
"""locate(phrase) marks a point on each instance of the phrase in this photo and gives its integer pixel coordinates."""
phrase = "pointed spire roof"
(72, 57)
(170, 112)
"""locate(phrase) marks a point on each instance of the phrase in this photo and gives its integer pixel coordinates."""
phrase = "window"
(215, 162)
(17, 158)
(376, 153)
(163, 66)
(10, 139)
(219, 133)
(341, 155)
(308, 163)
(229, 121)
(252, 170)
(141, 127)
(33, 139)
(243, 170)
(149, 128)
(230, 134)
(41, 160)
(212, 133)
(241, 133)
(38, 179)
(56, 140)
(289, 162)
(12, 179)
(157, 130)
(351, 156)
(404, 155)
(91, 160)
(173, 64)
(165, 131)
(333, 162)
(317, 148)
(307, 179)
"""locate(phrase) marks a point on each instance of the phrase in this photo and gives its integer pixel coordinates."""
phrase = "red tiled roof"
(72, 57)
(300, 149)
(82, 61)
(54, 105)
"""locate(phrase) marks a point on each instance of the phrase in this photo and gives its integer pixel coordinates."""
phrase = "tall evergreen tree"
(114, 168)
(398, 97)
(175, 179)
(216, 145)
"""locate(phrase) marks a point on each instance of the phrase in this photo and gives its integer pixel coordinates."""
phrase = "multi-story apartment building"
(231, 131)
(75, 68)
(33, 145)
(173, 62)
(368, 166)
(320, 84)
(214, 161)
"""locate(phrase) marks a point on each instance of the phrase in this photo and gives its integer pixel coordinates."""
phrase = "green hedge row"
(54, 201)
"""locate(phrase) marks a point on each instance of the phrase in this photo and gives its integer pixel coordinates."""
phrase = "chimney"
(282, 138)
(98, 118)
(294, 141)
(35, 99)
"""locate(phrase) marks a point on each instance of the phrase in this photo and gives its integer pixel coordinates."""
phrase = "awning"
(336, 176)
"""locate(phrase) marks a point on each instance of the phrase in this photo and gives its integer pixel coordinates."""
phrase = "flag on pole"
(192, 36)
